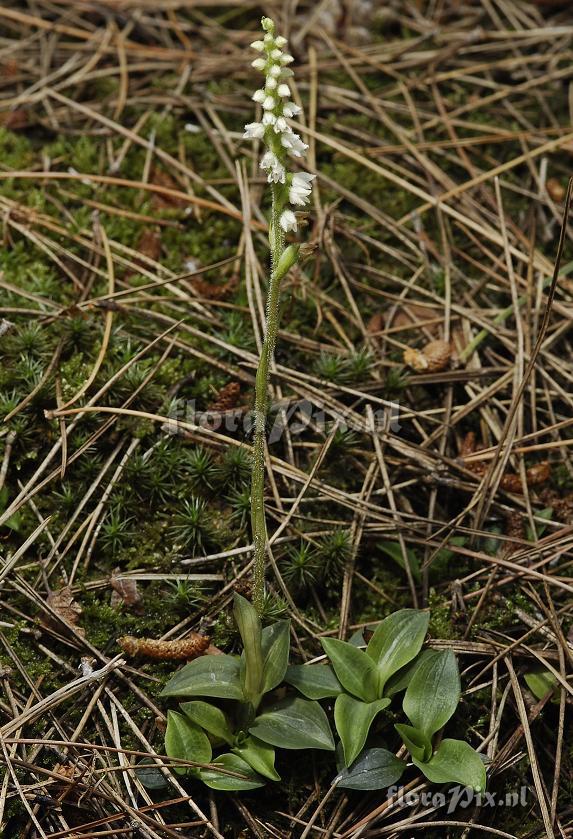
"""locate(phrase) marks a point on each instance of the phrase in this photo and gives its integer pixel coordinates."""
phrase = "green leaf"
(394, 551)
(546, 514)
(540, 683)
(397, 641)
(260, 756)
(233, 763)
(400, 680)
(252, 659)
(433, 693)
(355, 670)
(443, 556)
(419, 746)
(294, 723)
(357, 638)
(275, 644)
(210, 718)
(455, 762)
(150, 775)
(374, 769)
(353, 719)
(315, 681)
(209, 675)
(185, 741)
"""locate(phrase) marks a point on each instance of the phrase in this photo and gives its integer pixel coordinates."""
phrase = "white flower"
(259, 63)
(259, 96)
(288, 220)
(281, 41)
(291, 110)
(293, 143)
(300, 188)
(254, 131)
(271, 83)
(269, 38)
(277, 174)
(269, 118)
(275, 169)
(276, 54)
(286, 58)
(283, 90)
(269, 160)
(269, 103)
(258, 46)
(281, 125)
(275, 71)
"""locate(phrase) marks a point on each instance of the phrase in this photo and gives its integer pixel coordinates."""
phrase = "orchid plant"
(289, 190)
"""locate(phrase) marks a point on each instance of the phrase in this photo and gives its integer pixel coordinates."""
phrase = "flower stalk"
(286, 188)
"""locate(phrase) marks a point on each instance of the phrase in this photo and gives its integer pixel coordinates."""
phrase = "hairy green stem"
(258, 520)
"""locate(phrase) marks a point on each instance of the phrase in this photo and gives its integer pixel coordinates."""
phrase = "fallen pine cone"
(185, 649)
(534, 476)
(433, 358)
(515, 528)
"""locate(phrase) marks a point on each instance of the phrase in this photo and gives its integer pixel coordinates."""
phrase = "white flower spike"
(287, 189)
(273, 128)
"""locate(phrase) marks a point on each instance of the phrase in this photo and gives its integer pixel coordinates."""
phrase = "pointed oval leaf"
(354, 669)
(353, 719)
(294, 723)
(433, 693)
(394, 551)
(252, 659)
(260, 757)
(276, 645)
(374, 769)
(315, 681)
(455, 762)
(400, 680)
(357, 638)
(210, 675)
(210, 718)
(397, 641)
(419, 746)
(150, 775)
(185, 741)
(248, 778)
(540, 683)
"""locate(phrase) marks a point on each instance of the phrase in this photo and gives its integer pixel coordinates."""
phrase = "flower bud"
(267, 24)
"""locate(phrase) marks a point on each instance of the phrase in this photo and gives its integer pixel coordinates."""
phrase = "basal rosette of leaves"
(248, 734)
(230, 744)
